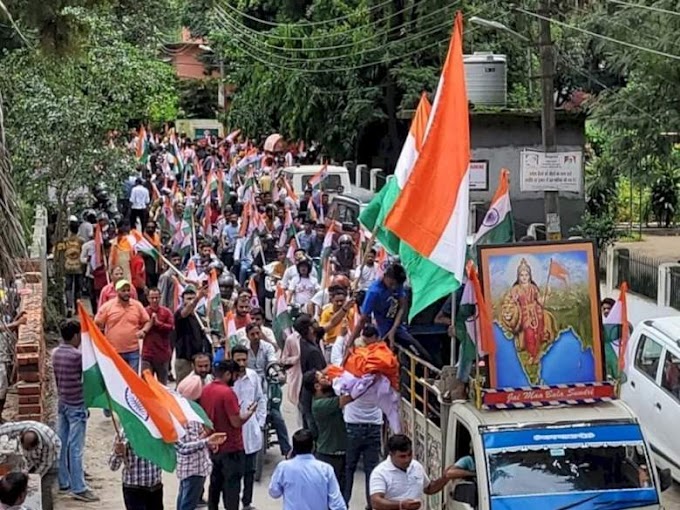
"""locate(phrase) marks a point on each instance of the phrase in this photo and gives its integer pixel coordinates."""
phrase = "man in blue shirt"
(304, 482)
(386, 303)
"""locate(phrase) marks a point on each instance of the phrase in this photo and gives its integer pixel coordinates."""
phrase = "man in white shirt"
(257, 318)
(400, 483)
(248, 389)
(139, 201)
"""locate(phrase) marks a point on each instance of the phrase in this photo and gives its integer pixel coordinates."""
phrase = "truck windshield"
(331, 183)
(603, 466)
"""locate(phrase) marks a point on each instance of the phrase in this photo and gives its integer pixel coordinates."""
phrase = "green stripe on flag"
(142, 442)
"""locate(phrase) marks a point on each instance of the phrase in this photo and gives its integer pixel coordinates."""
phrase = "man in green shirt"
(327, 407)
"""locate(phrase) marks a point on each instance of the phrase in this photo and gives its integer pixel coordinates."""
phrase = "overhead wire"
(356, 66)
(309, 37)
(265, 35)
(395, 43)
(304, 22)
(598, 35)
(645, 7)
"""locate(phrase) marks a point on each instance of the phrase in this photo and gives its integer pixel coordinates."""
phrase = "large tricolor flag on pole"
(382, 203)
(431, 213)
(110, 383)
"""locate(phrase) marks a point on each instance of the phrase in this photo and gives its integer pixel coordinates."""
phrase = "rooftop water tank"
(486, 79)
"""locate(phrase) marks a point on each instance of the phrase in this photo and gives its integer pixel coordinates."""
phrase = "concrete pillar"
(612, 269)
(374, 178)
(351, 168)
(357, 174)
(665, 283)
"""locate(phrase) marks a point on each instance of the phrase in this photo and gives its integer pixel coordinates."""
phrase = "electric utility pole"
(551, 199)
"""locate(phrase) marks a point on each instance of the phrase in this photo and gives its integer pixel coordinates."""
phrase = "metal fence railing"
(641, 273)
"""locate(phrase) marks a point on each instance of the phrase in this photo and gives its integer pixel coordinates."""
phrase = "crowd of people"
(210, 270)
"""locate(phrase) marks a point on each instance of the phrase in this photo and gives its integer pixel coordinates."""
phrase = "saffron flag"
(558, 271)
(110, 383)
(617, 331)
(431, 213)
(485, 341)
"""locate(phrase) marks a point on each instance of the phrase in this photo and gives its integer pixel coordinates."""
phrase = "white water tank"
(486, 79)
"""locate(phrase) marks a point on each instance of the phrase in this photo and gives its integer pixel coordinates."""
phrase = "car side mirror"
(665, 479)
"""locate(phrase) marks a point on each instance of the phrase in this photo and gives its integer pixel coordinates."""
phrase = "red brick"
(32, 417)
(30, 358)
(29, 388)
(25, 400)
(29, 377)
(28, 347)
(33, 277)
(30, 409)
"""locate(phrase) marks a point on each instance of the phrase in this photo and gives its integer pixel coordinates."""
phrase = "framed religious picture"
(543, 302)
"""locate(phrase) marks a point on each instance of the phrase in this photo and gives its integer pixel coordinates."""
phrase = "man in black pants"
(221, 405)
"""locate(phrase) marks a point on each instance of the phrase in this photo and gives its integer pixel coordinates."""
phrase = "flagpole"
(547, 282)
(454, 337)
(193, 233)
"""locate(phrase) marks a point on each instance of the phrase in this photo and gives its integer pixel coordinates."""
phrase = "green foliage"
(198, 98)
(599, 227)
(665, 198)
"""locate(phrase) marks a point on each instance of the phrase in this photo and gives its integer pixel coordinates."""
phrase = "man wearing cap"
(68, 255)
(125, 323)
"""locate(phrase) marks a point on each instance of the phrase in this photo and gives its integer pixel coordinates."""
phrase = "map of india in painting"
(542, 300)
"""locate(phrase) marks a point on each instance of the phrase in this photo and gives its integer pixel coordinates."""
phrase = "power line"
(600, 36)
(645, 7)
(247, 30)
(357, 66)
(286, 59)
(309, 37)
(303, 23)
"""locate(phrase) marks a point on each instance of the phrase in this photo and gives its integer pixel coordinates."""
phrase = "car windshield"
(573, 465)
(331, 183)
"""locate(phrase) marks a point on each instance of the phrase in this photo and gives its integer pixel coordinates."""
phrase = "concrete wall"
(500, 137)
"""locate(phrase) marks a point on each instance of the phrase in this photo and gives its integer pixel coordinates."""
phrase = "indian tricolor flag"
(110, 383)
(617, 331)
(283, 323)
(182, 410)
(497, 227)
(318, 177)
(141, 244)
(430, 215)
(382, 203)
(215, 311)
(142, 148)
(230, 330)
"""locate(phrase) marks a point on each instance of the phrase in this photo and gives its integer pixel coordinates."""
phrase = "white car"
(652, 387)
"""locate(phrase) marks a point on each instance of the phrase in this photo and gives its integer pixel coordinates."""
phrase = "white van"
(569, 457)
(652, 387)
(349, 203)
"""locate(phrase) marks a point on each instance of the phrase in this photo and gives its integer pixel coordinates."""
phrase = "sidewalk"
(639, 308)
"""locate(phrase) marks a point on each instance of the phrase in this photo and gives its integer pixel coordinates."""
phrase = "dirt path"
(107, 484)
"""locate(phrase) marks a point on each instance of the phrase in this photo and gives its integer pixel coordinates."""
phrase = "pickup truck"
(578, 457)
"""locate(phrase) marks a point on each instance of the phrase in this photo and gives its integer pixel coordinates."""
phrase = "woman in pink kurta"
(109, 290)
(290, 356)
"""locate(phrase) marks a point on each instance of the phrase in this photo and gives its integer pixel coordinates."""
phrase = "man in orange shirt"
(125, 323)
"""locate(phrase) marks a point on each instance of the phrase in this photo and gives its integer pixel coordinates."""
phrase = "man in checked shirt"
(40, 446)
(142, 482)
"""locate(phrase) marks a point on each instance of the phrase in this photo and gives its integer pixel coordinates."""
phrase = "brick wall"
(30, 350)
